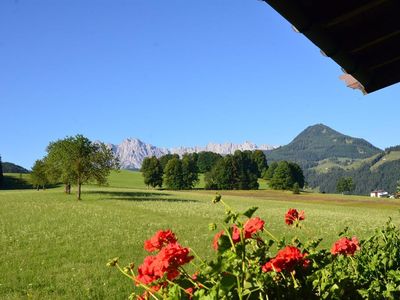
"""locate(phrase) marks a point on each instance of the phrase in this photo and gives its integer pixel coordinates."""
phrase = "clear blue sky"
(170, 73)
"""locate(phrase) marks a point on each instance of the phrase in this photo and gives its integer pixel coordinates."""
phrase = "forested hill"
(13, 168)
(320, 142)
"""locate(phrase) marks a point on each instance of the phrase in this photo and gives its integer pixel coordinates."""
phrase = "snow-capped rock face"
(131, 152)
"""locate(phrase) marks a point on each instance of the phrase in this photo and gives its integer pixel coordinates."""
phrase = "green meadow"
(55, 247)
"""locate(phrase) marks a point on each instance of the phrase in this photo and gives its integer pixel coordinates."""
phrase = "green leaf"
(249, 213)
(224, 243)
(228, 282)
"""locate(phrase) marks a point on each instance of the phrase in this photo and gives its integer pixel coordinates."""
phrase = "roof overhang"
(362, 36)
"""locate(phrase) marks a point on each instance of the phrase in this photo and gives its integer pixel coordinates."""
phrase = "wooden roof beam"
(354, 13)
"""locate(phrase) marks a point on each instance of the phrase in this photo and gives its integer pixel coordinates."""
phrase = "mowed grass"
(54, 247)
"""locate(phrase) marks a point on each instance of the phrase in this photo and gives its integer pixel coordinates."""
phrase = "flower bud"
(112, 262)
(217, 198)
(132, 266)
(212, 226)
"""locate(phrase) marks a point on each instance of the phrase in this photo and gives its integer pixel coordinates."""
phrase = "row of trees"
(171, 171)
(238, 171)
(74, 160)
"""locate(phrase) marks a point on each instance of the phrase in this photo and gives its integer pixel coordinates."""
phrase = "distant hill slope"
(13, 168)
(319, 142)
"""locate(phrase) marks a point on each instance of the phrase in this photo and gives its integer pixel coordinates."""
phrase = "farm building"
(379, 194)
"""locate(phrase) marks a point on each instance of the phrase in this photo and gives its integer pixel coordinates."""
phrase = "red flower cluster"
(286, 259)
(345, 246)
(293, 216)
(251, 227)
(159, 240)
(167, 261)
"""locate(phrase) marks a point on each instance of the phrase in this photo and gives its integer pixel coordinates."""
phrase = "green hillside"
(319, 142)
(13, 168)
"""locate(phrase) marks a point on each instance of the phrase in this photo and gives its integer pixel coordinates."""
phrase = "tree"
(166, 158)
(297, 174)
(190, 172)
(222, 176)
(77, 159)
(296, 188)
(206, 160)
(269, 173)
(246, 171)
(152, 172)
(345, 184)
(1, 174)
(282, 178)
(173, 174)
(260, 160)
(39, 175)
(236, 171)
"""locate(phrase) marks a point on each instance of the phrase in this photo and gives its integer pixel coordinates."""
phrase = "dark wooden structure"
(362, 36)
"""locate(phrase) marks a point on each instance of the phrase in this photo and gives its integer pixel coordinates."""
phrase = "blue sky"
(170, 73)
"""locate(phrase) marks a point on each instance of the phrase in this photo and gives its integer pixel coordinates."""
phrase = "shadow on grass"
(138, 196)
(15, 183)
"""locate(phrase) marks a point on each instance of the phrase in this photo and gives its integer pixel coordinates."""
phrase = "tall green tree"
(207, 160)
(236, 171)
(282, 178)
(222, 176)
(38, 175)
(297, 174)
(246, 171)
(190, 172)
(78, 160)
(269, 173)
(285, 175)
(173, 174)
(260, 160)
(1, 174)
(152, 172)
(345, 185)
(166, 158)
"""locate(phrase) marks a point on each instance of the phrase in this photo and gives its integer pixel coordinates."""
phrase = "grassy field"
(54, 247)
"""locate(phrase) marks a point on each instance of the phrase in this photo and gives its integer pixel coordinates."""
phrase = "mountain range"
(131, 152)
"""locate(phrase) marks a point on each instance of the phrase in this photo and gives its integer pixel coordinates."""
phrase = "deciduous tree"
(173, 174)
(38, 175)
(260, 160)
(190, 172)
(78, 160)
(345, 184)
(152, 172)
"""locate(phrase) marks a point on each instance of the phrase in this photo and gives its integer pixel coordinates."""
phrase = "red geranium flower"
(253, 226)
(159, 240)
(216, 239)
(293, 216)
(235, 234)
(345, 246)
(168, 260)
(286, 259)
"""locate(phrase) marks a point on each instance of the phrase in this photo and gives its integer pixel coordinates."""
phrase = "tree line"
(239, 171)
(74, 161)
